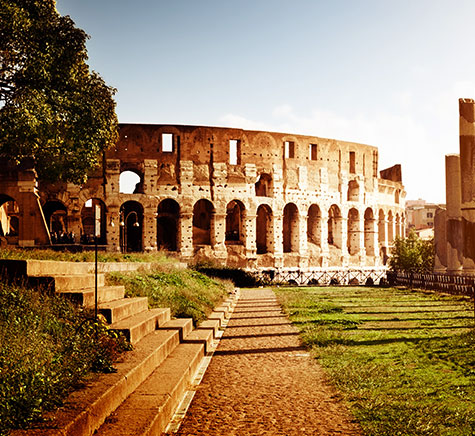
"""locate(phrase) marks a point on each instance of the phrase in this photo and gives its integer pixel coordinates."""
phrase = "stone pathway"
(261, 381)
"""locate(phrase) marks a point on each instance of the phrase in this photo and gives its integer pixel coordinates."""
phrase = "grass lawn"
(404, 360)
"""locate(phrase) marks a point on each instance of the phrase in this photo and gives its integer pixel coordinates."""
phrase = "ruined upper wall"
(324, 158)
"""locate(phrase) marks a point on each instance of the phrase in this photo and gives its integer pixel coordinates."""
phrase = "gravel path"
(261, 381)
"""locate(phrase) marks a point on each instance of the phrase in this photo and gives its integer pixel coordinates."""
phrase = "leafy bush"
(241, 278)
(412, 254)
(48, 346)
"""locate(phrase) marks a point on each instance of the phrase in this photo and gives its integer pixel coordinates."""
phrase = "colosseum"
(243, 198)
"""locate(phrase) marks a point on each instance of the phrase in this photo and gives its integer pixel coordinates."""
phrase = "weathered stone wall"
(248, 198)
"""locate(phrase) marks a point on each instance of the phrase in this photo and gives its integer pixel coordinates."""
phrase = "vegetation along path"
(261, 380)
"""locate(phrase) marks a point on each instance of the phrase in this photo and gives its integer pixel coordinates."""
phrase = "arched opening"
(56, 216)
(264, 229)
(353, 241)
(291, 228)
(314, 225)
(382, 242)
(131, 227)
(369, 232)
(234, 218)
(264, 186)
(353, 191)
(168, 214)
(390, 228)
(130, 182)
(202, 215)
(398, 226)
(93, 222)
(334, 226)
(9, 216)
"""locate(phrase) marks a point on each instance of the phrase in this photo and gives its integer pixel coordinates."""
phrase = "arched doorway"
(353, 191)
(234, 219)
(334, 226)
(314, 225)
(93, 218)
(131, 227)
(291, 228)
(369, 232)
(56, 216)
(264, 186)
(264, 231)
(353, 240)
(168, 214)
(203, 212)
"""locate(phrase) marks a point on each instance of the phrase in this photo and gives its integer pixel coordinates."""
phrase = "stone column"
(343, 243)
(278, 243)
(113, 229)
(303, 243)
(467, 176)
(185, 235)
(324, 240)
(453, 229)
(249, 229)
(150, 229)
(218, 235)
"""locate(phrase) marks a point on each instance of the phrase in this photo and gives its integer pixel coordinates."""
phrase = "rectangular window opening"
(352, 162)
(234, 151)
(289, 149)
(313, 151)
(167, 142)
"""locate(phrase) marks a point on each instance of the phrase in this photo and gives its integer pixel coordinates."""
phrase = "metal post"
(95, 278)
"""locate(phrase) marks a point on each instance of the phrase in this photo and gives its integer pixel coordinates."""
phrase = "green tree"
(412, 254)
(52, 107)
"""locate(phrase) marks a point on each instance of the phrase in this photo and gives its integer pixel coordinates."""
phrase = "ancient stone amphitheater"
(245, 198)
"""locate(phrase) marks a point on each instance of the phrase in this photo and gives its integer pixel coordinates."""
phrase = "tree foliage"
(412, 254)
(52, 107)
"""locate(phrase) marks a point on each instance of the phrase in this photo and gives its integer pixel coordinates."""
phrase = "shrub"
(48, 346)
(412, 254)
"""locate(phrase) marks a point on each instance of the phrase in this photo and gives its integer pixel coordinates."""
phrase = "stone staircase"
(141, 397)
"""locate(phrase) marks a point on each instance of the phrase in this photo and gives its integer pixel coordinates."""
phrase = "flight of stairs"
(140, 398)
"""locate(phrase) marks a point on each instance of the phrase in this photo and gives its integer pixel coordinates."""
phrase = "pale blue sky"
(380, 72)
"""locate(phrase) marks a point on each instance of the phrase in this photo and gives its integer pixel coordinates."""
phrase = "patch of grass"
(407, 364)
(188, 293)
(84, 256)
(47, 348)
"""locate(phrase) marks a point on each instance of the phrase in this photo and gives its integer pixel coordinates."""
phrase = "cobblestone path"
(261, 381)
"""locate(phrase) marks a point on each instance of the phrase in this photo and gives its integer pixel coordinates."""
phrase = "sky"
(387, 73)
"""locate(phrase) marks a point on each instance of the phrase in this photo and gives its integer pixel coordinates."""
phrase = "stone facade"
(455, 227)
(245, 198)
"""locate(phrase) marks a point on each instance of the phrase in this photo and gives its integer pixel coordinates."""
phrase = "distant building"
(420, 217)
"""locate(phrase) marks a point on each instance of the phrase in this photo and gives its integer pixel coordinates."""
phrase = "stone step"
(148, 410)
(86, 409)
(137, 326)
(117, 310)
(219, 316)
(201, 336)
(86, 298)
(72, 282)
(210, 324)
(183, 325)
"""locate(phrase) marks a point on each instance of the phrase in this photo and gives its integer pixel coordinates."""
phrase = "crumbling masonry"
(245, 198)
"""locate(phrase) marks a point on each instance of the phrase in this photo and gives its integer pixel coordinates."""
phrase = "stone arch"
(131, 226)
(314, 225)
(93, 213)
(168, 215)
(263, 186)
(264, 231)
(56, 217)
(390, 227)
(334, 226)
(353, 241)
(369, 232)
(353, 191)
(290, 228)
(9, 216)
(130, 181)
(203, 213)
(234, 221)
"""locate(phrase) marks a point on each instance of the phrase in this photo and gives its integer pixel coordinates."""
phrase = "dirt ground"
(261, 381)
